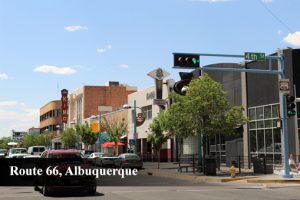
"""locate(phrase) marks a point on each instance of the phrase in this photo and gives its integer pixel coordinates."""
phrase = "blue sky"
(51, 44)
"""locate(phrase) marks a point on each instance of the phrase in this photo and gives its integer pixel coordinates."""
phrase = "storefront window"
(277, 140)
(267, 112)
(253, 147)
(275, 110)
(259, 113)
(260, 141)
(269, 140)
(252, 114)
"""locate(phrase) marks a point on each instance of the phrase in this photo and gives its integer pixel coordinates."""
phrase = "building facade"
(144, 103)
(18, 136)
(84, 102)
(51, 121)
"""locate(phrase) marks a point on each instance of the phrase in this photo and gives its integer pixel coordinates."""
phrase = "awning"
(12, 143)
(111, 144)
(123, 136)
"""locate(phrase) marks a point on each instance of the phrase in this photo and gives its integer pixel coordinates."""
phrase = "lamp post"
(126, 106)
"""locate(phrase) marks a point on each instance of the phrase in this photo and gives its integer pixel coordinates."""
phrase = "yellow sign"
(95, 127)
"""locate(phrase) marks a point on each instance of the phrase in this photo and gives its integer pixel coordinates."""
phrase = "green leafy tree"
(156, 136)
(30, 140)
(116, 129)
(87, 136)
(205, 109)
(4, 141)
(43, 139)
(70, 137)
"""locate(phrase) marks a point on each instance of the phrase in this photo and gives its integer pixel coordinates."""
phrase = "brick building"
(84, 102)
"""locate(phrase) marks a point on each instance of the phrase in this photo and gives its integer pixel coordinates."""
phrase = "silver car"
(129, 160)
(106, 160)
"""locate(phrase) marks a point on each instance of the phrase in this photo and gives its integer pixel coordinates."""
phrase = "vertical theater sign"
(64, 106)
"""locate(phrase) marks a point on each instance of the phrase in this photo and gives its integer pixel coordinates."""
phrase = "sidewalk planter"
(261, 167)
(210, 167)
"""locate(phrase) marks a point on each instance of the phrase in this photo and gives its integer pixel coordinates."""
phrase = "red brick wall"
(94, 96)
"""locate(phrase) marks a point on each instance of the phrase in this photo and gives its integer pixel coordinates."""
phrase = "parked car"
(14, 151)
(36, 150)
(106, 160)
(87, 153)
(93, 157)
(19, 155)
(64, 159)
(128, 160)
(3, 153)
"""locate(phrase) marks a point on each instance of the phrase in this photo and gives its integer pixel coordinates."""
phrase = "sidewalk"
(247, 176)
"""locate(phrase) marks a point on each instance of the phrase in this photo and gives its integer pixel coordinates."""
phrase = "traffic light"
(290, 104)
(186, 60)
(183, 83)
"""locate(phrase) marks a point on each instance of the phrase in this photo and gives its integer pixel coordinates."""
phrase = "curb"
(194, 178)
(273, 181)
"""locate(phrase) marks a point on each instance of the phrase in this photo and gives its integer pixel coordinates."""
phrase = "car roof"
(69, 151)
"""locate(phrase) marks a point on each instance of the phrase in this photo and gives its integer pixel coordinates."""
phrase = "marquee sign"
(64, 106)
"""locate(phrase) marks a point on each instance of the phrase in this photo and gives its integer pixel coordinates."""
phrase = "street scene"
(194, 99)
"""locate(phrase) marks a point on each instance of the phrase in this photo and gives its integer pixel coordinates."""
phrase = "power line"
(275, 16)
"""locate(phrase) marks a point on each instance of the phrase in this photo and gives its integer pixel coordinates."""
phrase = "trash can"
(210, 166)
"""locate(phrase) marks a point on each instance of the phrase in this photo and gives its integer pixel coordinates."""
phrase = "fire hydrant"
(232, 171)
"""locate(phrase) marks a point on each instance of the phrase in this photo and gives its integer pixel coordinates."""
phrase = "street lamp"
(126, 106)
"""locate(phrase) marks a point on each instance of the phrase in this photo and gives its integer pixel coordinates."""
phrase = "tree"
(86, 134)
(44, 139)
(205, 109)
(4, 141)
(70, 137)
(116, 129)
(156, 136)
(30, 140)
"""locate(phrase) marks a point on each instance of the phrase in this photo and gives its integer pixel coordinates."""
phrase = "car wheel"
(45, 190)
(92, 190)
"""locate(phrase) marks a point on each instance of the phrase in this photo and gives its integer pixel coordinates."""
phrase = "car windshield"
(2, 150)
(69, 158)
(18, 151)
(131, 156)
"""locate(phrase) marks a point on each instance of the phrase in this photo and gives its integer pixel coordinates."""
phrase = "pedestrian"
(292, 163)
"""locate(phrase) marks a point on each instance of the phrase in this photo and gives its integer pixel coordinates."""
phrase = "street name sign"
(254, 56)
(159, 102)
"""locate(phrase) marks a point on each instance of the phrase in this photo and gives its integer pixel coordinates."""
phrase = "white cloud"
(21, 117)
(125, 66)
(109, 46)
(267, 1)
(211, 1)
(54, 69)
(8, 103)
(75, 28)
(3, 76)
(293, 38)
(103, 50)
(100, 50)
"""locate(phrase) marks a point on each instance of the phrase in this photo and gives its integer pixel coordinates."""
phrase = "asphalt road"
(205, 191)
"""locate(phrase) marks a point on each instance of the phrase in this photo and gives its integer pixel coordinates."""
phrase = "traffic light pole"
(286, 169)
(280, 72)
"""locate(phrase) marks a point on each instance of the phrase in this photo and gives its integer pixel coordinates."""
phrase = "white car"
(36, 150)
(94, 156)
(14, 152)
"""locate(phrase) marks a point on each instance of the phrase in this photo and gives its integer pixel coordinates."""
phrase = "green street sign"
(254, 56)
